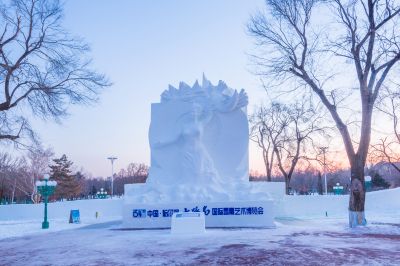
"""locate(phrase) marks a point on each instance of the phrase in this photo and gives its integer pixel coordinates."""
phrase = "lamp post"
(46, 188)
(338, 189)
(324, 149)
(112, 159)
(102, 194)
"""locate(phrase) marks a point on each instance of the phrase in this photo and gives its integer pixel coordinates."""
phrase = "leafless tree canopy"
(19, 174)
(43, 68)
(387, 148)
(365, 33)
(286, 134)
(8, 168)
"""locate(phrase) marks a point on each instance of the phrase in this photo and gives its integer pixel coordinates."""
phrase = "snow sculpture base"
(217, 214)
(142, 209)
(188, 223)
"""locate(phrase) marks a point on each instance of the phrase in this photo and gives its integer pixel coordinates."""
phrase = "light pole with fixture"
(324, 149)
(46, 188)
(101, 194)
(112, 159)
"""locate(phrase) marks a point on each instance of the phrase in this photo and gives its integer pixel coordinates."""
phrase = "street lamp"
(102, 194)
(46, 188)
(112, 159)
(324, 149)
(338, 189)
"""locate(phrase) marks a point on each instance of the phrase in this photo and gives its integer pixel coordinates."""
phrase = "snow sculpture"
(198, 138)
(199, 135)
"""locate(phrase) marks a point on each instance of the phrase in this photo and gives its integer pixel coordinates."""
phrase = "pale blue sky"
(143, 46)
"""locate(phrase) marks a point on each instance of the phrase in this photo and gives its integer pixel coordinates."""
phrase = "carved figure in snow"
(198, 135)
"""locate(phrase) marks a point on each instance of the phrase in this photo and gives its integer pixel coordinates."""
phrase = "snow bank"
(383, 202)
(313, 206)
(61, 210)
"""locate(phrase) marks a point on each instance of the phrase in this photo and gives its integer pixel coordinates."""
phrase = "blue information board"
(74, 217)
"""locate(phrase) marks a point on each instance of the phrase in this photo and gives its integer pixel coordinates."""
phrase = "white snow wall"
(60, 210)
(383, 202)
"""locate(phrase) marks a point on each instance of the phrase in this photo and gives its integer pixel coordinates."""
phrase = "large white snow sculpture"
(199, 156)
(199, 135)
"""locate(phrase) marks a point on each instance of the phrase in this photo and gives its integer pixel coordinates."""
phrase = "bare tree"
(137, 169)
(7, 164)
(303, 124)
(387, 148)
(43, 69)
(12, 177)
(19, 174)
(366, 34)
(262, 119)
(134, 173)
(284, 132)
(38, 161)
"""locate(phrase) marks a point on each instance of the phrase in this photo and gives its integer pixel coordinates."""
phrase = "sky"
(142, 46)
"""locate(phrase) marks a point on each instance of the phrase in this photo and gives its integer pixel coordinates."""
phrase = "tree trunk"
(267, 163)
(269, 174)
(287, 187)
(34, 192)
(357, 164)
(357, 194)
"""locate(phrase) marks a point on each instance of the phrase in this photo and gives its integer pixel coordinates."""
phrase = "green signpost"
(46, 188)
(338, 189)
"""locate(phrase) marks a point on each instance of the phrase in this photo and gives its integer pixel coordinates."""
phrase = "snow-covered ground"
(293, 242)
(307, 237)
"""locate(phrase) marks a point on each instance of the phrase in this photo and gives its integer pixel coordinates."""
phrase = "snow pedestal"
(251, 212)
(199, 162)
(188, 223)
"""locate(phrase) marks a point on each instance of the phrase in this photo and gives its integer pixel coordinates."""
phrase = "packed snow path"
(293, 242)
